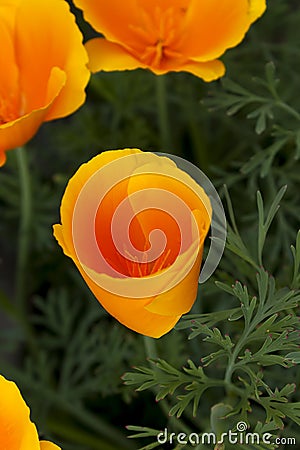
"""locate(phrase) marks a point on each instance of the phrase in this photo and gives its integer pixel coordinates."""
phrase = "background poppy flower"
(167, 35)
(43, 68)
(17, 432)
(134, 225)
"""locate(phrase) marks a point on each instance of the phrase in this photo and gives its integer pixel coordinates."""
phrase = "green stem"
(24, 229)
(162, 105)
(288, 109)
(199, 147)
(93, 422)
(71, 433)
(150, 347)
(240, 344)
(24, 246)
(234, 355)
(151, 353)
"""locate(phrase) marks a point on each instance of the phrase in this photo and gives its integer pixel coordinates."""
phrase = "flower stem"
(199, 148)
(24, 228)
(293, 112)
(162, 105)
(151, 353)
(150, 347)
(73, 433)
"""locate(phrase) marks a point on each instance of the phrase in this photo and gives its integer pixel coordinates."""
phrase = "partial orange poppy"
(134, 224)
(17, 432)
(167, 35)
(43, 68)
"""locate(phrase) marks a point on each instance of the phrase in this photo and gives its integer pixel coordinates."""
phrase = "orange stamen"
(158, 34)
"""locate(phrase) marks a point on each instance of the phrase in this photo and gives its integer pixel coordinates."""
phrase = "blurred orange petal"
(46, 39)
(220, 24)
(108, 56)
(111, 18)
(208, 71)
(9, 76)
(17, 432)
(38, 50)
(46, 445)
(257, 8)
(16, 429)
(16, 132)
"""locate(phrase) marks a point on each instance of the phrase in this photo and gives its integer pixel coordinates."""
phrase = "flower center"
(159, 34)
(143, 268)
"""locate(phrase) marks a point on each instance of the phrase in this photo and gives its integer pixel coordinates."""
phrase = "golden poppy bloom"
(43, 68)
(167, 35)
(17, 432)
(134, 224)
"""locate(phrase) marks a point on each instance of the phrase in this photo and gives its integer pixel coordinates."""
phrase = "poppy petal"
(17, 132)
(208, 71)
(164, 173)
(75, 184)
(181, 297)
(108, 56)
(9, 76)
(132, 313)
(211, 27)
(16, 429)
(52, 36)
(46, 445)
(257, 8)
(111, 18)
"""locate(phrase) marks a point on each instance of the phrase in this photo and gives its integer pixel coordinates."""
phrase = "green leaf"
(296, 256)
(294, 357)
(264, 224)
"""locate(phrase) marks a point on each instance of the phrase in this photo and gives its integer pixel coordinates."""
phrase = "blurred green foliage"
(239, 348)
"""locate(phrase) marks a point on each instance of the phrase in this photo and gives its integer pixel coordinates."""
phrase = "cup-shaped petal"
(43, 68)
(134, 225)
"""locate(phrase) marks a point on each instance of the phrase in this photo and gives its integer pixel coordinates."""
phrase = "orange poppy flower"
(167, 35)
(43, 68)
(17, 432)
(134, 224)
